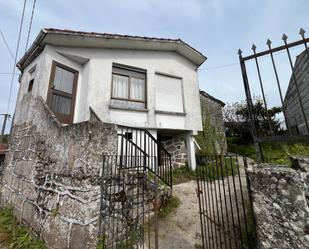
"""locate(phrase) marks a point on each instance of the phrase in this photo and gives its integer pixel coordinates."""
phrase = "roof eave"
(192, 54)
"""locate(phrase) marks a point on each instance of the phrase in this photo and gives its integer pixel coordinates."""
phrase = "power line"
(30, 24)
(237, 63)
(16, 53)
(6, 44)
(8, 73)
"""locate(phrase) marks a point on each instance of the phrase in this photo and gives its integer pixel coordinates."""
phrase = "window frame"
(130, 72)
(63, 118)
(32, 74)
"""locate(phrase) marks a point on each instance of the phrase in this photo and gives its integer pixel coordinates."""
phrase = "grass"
(169, 206)
(15, 235)
(183, 174)
(214, 171)
(208, 170)
(273, 152)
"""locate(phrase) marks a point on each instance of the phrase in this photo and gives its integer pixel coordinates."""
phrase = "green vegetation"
(4, 139)
(169, 206)
(183, 174)
(211, 170)
(273, 152)
(132, 240)
(101, 242)
(214, 171)
(15, 235)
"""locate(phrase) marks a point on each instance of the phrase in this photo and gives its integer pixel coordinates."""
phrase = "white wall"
(94, 85)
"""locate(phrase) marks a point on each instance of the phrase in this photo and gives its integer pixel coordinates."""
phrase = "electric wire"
(30, 25)
(16, 54)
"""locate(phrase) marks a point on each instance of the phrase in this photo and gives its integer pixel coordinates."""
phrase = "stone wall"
(52, 174)
(280, 202)
(212, 119)
(177, 148)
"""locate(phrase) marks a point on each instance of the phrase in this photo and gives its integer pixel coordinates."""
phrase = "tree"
(237, 120)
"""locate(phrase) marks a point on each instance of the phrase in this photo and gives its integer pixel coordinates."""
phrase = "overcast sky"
(217, 28)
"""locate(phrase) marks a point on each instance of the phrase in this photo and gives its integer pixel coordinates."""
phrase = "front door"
(62, 92)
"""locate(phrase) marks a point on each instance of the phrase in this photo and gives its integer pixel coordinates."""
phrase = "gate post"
(257, 144)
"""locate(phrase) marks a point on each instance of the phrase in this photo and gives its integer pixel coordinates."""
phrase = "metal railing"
(225, 203)
(295, 103)
(138, 143)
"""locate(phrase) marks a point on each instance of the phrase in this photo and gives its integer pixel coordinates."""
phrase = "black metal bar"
(284, 38)
(231, 204)
(278, 85)
(199, 193)
(236, 200)
(216, 199)
(225, 202)
(262, 89)
(242, 200)
(250, 199)
(273, 50)
(254, 132)
(220, 198)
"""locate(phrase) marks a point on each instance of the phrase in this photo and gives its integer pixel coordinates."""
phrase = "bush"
(15, 235)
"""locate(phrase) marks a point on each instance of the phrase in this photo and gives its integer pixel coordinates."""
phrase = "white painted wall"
(94, 85)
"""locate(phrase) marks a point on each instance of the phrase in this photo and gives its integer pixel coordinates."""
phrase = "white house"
(133, 81)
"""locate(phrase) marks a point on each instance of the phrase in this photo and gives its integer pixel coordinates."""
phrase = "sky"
(217, 28)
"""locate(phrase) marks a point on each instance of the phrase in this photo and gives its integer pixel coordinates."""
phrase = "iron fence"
(140, 144)
(225, 204)
(294, 102)
(129, 204)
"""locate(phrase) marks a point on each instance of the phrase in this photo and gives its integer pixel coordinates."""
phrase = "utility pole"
(6, 117)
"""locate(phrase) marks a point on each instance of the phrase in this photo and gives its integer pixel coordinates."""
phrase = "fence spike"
(268, 42)
(302, 33)
(253, 47)
(284, 37)
(239, 52)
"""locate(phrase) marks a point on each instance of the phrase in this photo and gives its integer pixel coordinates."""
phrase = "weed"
(169, 206)
(183, 174)
(14, 234)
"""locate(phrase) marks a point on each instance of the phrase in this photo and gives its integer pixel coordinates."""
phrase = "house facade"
(293, 110)
(139, 82)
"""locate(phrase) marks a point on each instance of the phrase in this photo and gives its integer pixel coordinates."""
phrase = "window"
(129, 84)
(31, 78)
(169, 93)
(62, 92)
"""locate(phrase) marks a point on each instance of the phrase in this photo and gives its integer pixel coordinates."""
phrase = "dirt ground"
(181, 229)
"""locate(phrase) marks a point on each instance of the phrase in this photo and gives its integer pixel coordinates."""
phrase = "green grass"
(169, 206)
(273, 152)
(211, 171)
(15, 235)
(214, 171)
(183, 174)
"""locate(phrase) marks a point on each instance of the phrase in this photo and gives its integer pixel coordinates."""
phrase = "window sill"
(171, 113)
(127, 108)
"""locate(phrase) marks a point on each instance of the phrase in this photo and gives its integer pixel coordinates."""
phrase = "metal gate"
(288, 75)
(227, 219)
(133, 184)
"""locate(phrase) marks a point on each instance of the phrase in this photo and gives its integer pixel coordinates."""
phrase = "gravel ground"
(181, 229)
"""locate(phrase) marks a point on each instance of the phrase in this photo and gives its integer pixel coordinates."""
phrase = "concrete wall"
(294, 113)
(94, 85)
(52, 173)
(280, 202)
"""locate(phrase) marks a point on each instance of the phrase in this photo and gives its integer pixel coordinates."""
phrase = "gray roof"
(72, 38)
(207, 95)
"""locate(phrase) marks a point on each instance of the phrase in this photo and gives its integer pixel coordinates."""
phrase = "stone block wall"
(280, 203)
(212, 118)
(177, 148)
(52, 176)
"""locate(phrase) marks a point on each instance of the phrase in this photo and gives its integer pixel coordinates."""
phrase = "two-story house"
(131, 81)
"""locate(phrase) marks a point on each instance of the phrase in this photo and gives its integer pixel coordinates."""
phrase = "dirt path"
(181, 228)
